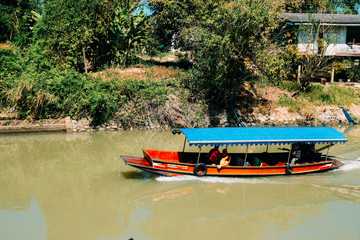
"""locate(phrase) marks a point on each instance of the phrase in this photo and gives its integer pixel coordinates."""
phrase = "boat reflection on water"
(172, 194)
(185, 191)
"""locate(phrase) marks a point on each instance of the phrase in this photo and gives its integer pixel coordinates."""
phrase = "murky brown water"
(64, 186)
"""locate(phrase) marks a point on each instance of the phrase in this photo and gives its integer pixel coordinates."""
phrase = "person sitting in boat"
(295, 154)
(214, 155)
(225, 159)
(294, 159)
(303, 153)
(308, 153)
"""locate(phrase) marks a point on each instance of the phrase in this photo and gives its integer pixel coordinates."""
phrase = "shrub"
(46, 94)
(9, 62)
(57, 93)
(102, 100)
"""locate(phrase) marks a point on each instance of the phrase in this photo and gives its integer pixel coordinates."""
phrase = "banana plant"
(129, 27)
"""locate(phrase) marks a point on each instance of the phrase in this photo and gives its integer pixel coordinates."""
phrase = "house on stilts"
(335, 36)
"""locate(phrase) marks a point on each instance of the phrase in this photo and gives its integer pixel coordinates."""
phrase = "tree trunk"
(85, 64)
(127, 53)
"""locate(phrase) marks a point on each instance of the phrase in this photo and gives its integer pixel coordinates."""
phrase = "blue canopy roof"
(262, 135)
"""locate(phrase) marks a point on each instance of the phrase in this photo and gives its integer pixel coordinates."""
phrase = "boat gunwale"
(234, 167)
(246, 167)
(155, 171)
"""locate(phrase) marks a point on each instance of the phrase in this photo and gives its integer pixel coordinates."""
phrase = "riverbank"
(280, 116)
(156, 97)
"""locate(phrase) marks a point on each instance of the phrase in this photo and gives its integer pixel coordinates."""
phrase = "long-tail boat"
(301, 156)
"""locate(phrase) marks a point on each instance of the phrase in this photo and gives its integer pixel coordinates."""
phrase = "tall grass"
(333, 95)
(318, 95)
(59, 93)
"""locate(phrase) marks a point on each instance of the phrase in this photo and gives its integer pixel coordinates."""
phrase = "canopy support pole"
(288, 161)
(198, 155)
(247, 147)
(267, 147)
(327, 153)
(184, 145)
(183, 149)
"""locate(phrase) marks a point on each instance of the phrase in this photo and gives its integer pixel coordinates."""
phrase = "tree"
(172, 18)
(227, 45)
(16, 21)
(129, 27)
(89, 33)
(69, 28)
(224, 38)
(348, 6)
(322, 6)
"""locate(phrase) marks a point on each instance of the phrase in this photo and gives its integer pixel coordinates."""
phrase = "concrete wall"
(19, 126)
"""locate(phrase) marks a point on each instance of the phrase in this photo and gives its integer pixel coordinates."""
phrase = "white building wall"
(334, 41)
(307, 41)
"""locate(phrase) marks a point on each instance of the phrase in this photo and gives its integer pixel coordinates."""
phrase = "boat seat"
(257, 162)
(236, 160)
(269, 159)
(280, 164)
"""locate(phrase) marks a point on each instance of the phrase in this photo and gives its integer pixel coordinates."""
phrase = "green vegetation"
(58, 93)
(51, 52)
(319, 95)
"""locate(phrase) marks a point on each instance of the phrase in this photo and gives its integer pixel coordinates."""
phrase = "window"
(353, 35)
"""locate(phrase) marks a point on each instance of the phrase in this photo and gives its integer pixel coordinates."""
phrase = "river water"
(75, 186)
